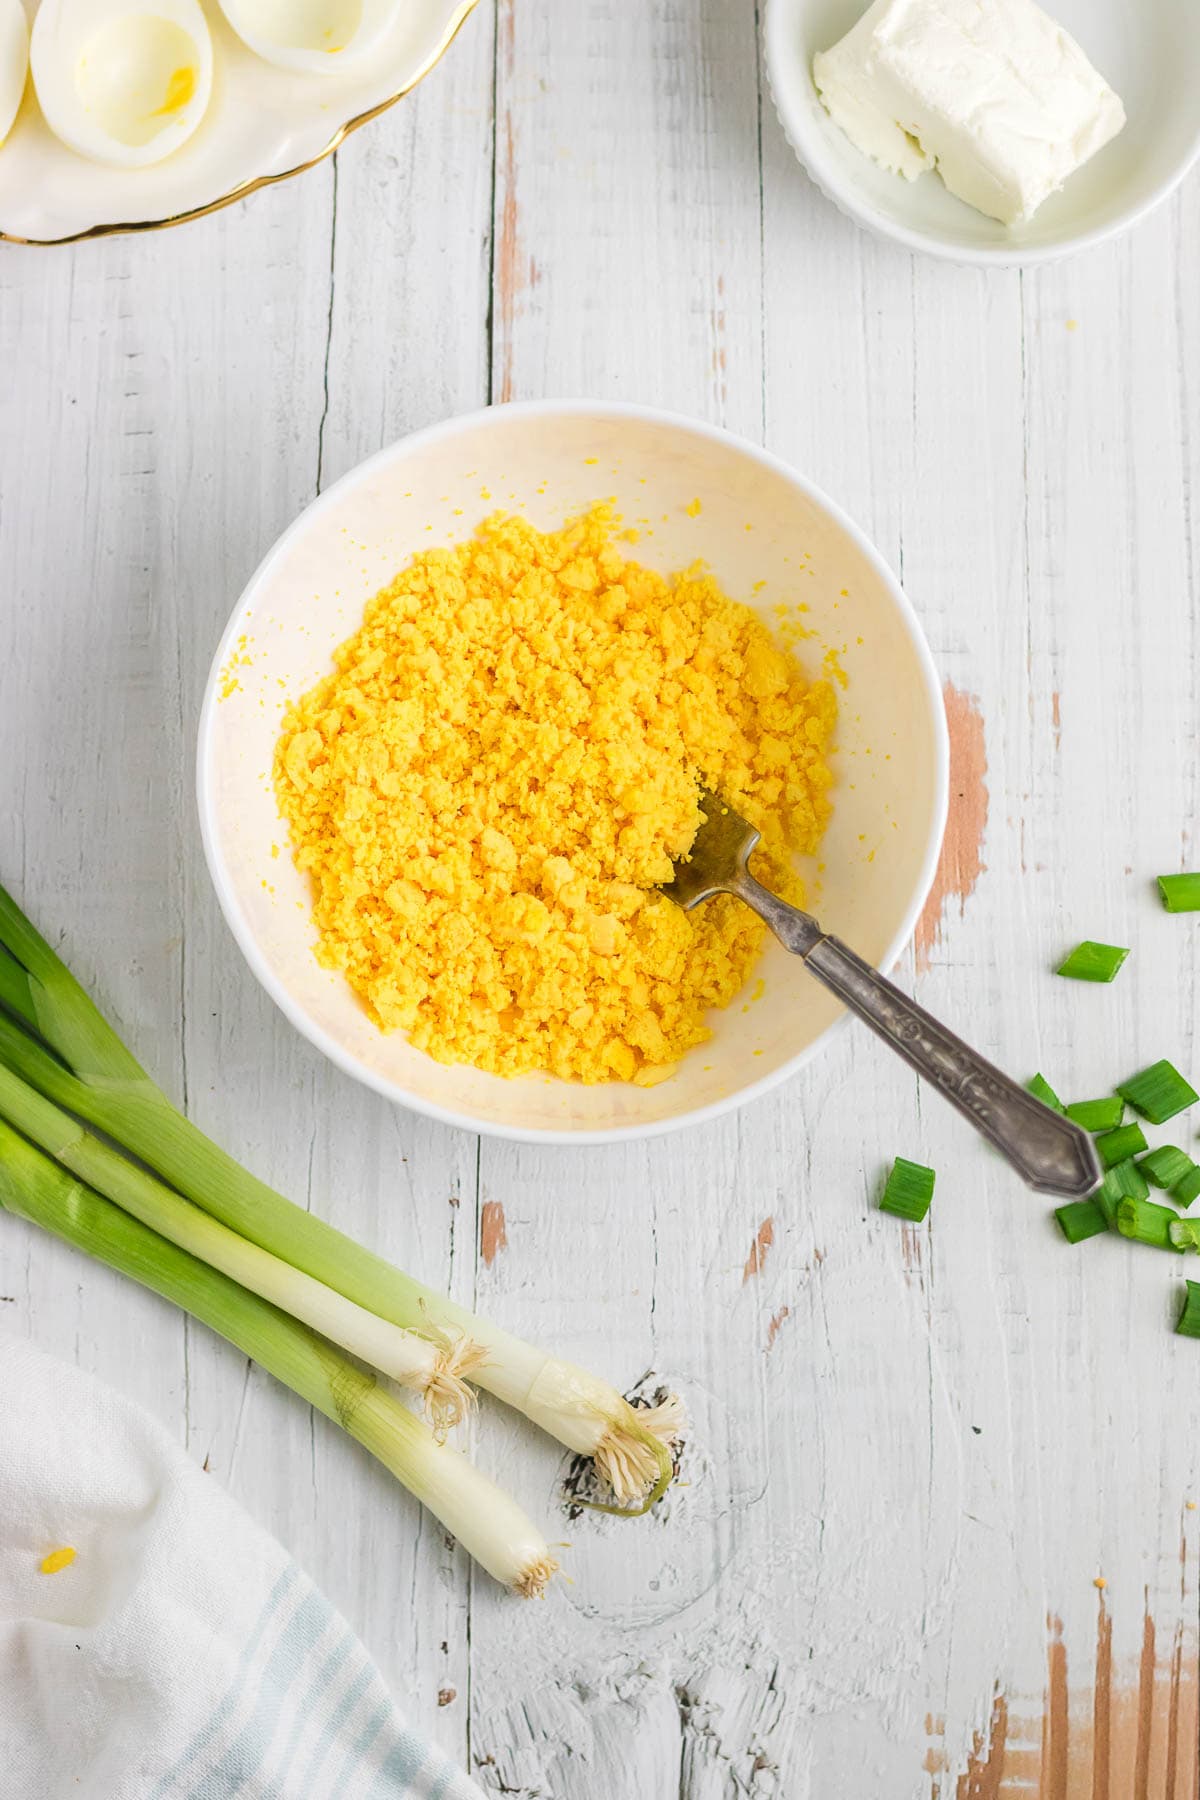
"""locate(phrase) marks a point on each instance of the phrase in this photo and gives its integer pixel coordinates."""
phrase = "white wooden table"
(918, 1452)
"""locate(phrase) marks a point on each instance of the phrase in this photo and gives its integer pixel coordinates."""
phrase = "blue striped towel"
(181, 1654)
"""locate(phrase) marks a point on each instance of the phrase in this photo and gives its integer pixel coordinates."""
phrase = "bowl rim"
(462, 424)
(847, 197)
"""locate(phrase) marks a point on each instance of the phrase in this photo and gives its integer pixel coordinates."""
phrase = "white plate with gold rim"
(263, 123)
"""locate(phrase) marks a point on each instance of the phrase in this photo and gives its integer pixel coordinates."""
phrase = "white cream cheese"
(991, 93)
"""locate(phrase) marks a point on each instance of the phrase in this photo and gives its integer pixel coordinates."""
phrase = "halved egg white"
(310, 37)
(14, 61)
(122, 81)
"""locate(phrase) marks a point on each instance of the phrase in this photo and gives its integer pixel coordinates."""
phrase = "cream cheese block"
(993, 94)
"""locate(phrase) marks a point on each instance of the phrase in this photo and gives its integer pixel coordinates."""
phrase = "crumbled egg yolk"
(488, 790)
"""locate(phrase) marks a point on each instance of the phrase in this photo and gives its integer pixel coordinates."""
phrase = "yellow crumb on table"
(488, 790)
(57, 1559)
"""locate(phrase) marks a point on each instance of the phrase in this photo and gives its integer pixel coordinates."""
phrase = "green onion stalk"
(78, 1062)
(436, 1370)
(488, 1524)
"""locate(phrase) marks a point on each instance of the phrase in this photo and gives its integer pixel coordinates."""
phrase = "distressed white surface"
(911, 1447)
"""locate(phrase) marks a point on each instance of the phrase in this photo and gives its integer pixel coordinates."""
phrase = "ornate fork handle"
(1049, 1150)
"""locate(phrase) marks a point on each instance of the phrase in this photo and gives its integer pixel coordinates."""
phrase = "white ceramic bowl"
(1149, 52)
(263, 123)
(551, 460)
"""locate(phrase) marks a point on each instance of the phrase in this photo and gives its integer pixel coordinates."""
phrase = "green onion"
(488, 1524)
(1185, 1234)
(1107, 1196)
(1189, 1319)
(1092, 962)
(1124, 1181)
(1164, 1166)
(93, 1075)
(1184, 1191)
(1146, 1222)
(1081, 1219)
(1158, 1093)
(1041, 1090)
(908, 1190)
(1097, 1115)
(433, 1366)
(1180, 893)
(1115, 1146)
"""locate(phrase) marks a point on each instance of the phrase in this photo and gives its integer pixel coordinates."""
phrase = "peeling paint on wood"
(764, 1237)
(493, 1231)
(777, 1319)
(1130, 1735)
(961, 862)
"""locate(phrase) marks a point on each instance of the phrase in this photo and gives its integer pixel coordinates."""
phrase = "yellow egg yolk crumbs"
(489, 788)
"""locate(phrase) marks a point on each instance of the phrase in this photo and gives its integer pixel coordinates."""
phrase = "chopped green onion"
(1115, 1146)
(1092, 962)
(1081, 1219)
(93, 1075)
(1097, 1115)
(1106, 1197)
(1158, 1093)
(1124, 1181)
(1164, 1166)
(1180, 893)
(908, 1190)
(1041, 1090)
(1185, 1234)
(1146, 1222)
(1187, 1187)
(488, 1524)
(1189, 1319)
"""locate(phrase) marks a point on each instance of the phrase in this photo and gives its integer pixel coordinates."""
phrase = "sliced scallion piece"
(1097, 1115)
(1041, 1090)
(1159, 1092)
(1125, 1181)
(1180, 893)
(1107, 1196)
(490, 1526)
(1188, 1322)
(1113, 1147)
(1080, 1219)
(1146, 1222)
(1163, 1166)
(1184, 1191)
(908, 1190)
(1185, 1234)
(1090, 961)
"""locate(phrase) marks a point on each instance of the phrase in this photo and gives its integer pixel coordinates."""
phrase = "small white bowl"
(759, 522)
(1150, 53)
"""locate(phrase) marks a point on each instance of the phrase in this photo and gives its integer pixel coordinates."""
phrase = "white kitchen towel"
(182, 1652)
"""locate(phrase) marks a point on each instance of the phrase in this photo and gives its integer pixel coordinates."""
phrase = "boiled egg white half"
(14, 61)
(310, 37)
(121, 81)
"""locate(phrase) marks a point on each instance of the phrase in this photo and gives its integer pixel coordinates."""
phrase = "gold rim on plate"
(252, 186)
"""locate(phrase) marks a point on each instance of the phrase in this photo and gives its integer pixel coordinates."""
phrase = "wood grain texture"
(915, 1450)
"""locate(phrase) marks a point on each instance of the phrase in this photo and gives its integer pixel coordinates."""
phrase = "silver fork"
(1047, 1149)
